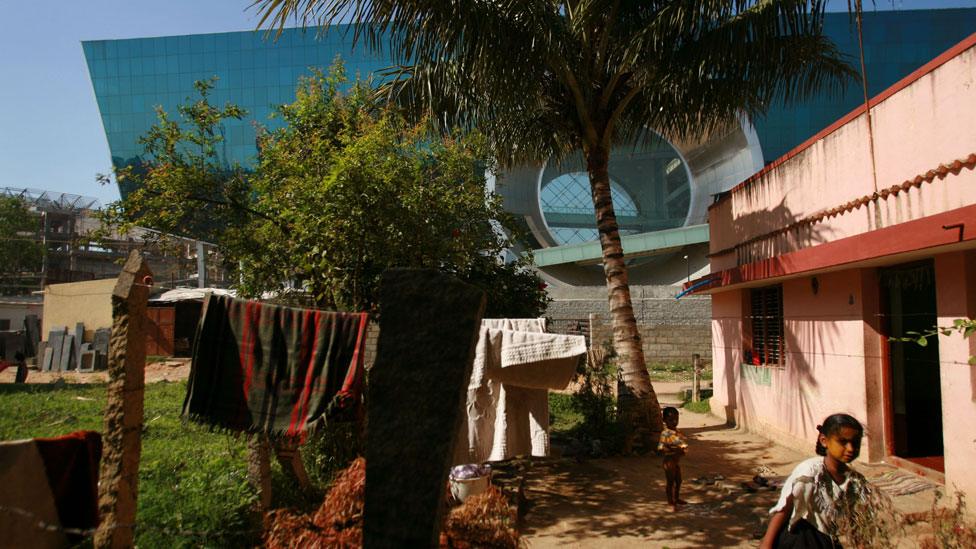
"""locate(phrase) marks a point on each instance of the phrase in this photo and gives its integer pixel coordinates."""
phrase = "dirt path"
(171, 369)
(620, 502)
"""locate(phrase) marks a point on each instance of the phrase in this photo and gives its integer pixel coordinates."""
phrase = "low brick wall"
(671, 329)
(663, 343)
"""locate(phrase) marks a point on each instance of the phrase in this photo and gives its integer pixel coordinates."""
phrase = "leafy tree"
(184, 187)
(341, 192)
(546, 78)
(19, 251)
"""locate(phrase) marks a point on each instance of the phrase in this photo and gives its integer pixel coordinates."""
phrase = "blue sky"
(51, 135)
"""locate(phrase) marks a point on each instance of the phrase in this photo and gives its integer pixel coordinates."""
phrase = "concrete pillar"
(201, 266)
(875, 349)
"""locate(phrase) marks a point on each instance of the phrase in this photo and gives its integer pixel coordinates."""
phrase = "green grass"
(674, 371)
(587, 418)
(700, 407)
(563, 417)
(193, 490)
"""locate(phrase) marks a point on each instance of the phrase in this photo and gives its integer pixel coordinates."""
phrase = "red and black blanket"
(277, 370)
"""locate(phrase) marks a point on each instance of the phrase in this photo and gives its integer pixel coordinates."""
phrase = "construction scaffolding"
(65, 225)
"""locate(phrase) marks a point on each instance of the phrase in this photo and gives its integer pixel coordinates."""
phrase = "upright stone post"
(697, 369)
(429, 327)
(259, 470)
(119, 476)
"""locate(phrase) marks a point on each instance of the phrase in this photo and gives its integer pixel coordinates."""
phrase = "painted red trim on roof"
(928, 176)
(942, 59)
(950, 227)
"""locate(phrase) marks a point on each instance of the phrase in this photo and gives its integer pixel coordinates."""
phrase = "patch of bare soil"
(170, 369)
(620, 502)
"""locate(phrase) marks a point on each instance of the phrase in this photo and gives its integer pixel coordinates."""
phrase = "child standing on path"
(819, 489)
(672, 445)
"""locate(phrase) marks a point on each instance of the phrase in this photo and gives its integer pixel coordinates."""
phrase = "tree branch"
(612, 86)
(586, 123)
(233, 204)
(618, 111)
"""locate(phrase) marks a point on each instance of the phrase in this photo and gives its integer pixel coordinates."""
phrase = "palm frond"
(541, 76)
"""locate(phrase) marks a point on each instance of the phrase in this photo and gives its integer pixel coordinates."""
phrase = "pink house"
(854, 237)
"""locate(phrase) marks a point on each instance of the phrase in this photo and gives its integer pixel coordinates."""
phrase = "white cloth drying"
(508, 395)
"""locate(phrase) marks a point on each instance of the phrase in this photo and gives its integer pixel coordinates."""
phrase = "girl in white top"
(818, 489)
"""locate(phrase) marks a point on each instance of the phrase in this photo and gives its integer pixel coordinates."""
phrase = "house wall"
(727, 356)
(823, 373)
(955, 282)
(89, 302)
(815, 213)
(16, 312)
(917, 127)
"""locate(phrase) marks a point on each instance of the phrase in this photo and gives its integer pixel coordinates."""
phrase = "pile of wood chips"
(337, 523)
(484, 520)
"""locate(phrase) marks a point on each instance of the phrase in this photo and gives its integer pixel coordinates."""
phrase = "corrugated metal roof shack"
(173, 318)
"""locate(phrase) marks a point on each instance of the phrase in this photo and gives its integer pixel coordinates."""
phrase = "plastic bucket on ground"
(462, 489)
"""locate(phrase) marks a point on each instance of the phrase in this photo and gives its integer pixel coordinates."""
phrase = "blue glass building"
(661, 190)
(132, 77)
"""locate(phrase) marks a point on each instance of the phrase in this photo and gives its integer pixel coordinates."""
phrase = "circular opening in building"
(649, 186)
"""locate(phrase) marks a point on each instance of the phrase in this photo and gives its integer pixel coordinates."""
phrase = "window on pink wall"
(764, 343)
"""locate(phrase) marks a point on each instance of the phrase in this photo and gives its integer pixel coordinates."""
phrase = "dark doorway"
(915, 392)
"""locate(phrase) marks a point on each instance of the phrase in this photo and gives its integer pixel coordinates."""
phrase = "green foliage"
(547, 80)
(182, 186)
(19, 253)
(343, 191)
(587, 420)
(563, 416)
(963, 326)
(700, 407)
(193, 489)
(330, 450)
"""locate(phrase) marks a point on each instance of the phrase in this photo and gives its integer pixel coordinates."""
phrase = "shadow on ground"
(620, 501)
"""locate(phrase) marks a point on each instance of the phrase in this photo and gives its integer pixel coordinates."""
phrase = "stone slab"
(87, 360)
(100, 344)
(67, 361)
(39, 354)
(55, 342)
(79, 338)
(32, 327)
(429, 326)
(48, 358)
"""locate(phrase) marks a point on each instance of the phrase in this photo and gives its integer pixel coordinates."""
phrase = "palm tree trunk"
(640, 409)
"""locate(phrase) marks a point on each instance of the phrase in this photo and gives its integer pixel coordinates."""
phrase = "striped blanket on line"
(277, 370)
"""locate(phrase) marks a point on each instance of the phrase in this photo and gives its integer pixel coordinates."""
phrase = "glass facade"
(896, 43)
(254, 71)
(651, 184)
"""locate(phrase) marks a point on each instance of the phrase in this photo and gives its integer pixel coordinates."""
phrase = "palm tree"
(547, 78)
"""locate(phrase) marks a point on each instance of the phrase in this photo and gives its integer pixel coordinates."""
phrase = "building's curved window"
(568, 208)
(649, 185)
